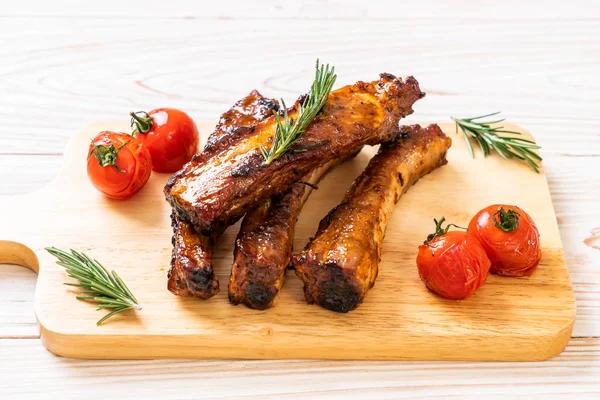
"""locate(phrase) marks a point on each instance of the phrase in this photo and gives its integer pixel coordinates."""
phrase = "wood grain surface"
(508, 319)
(297, 379)
(65, 64)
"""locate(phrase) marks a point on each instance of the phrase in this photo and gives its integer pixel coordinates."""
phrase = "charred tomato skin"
(515, 253)
(170, 135)
(453, 265)
(130, 171)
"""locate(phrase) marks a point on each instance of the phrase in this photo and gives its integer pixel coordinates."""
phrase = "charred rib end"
(199, 283)
(203, 282)
(191, 273)
(330, 288)
(255, 295)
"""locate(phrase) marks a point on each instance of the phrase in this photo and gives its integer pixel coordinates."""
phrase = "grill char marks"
(215, 191)
(340, 264)
(192, 272)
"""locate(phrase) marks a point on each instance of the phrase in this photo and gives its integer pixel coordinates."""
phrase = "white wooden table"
(65, 64)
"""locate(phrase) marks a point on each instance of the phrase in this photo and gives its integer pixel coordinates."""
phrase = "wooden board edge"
(198, 346)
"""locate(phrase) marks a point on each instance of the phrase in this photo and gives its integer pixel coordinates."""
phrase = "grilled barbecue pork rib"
(263, 247)
(340, 264)
(239, 121)
(191, 272)
(215, 190)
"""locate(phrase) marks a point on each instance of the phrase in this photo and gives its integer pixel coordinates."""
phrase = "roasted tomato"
(118, 164)
(169, 134)
(510, 239)
(452, 264)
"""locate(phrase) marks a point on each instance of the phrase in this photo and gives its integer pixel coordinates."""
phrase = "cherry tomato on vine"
(510, 239)
(452, 264)
(118, 164)
(170, 135)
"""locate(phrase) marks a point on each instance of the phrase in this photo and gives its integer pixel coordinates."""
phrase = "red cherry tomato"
(510, 239)
(169, 134)
(452, 264)
(118, 164)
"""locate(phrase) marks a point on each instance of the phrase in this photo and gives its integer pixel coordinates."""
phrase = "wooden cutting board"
(507, 319)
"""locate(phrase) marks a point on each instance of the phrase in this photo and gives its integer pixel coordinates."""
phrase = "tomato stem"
(106, 155)
(508, 221)
(143, 122)
(439, 231)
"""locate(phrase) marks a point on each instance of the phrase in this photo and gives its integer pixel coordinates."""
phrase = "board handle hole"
(19, 254)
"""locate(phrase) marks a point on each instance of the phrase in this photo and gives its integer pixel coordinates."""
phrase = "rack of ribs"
(192, 272)
(340, 263)
(214, 190)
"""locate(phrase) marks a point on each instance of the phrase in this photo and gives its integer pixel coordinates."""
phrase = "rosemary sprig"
(288, 130)
(489, 139)
(97, 283)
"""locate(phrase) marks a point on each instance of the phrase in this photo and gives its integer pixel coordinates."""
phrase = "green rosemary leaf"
(499, 129)
(469, 143)
(75, 284)
(501, 150)
(485, 148)
(510, 142)
(488, 123)
(110, 314)
(532, 154)
(97, 284)
(483, 116)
